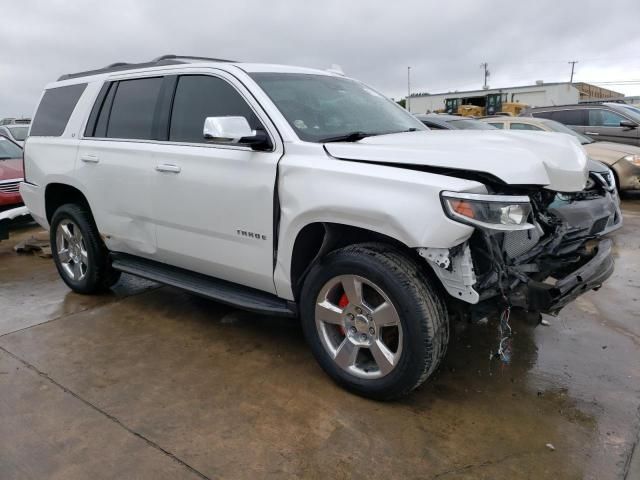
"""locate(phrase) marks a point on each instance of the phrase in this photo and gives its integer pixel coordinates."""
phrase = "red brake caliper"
(343, 302)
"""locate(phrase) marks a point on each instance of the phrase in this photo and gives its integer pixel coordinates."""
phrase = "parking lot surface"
(151, 382)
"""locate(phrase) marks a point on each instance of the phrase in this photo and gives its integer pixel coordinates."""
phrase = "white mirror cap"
(228, 129)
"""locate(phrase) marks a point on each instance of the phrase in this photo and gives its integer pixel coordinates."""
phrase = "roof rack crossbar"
(156, 62)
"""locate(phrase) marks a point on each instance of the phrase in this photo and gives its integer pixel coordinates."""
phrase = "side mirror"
(235, 130)
(628, 124)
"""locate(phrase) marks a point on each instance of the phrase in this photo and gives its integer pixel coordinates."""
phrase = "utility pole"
(407, 103)
(573, 64)
(485, 65)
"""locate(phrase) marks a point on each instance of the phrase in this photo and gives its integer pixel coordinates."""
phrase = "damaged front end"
(532, 248)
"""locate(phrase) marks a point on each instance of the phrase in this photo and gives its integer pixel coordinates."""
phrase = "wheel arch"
(317, 239)
(57, 194)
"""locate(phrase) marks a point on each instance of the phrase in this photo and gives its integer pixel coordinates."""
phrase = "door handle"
(89, 158)
(166, 167)
(591, 133)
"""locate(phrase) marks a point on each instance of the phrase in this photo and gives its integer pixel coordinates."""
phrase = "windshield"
(558, 127)
(467, 124)
(19, 133)
(8, 149)
(323, 107)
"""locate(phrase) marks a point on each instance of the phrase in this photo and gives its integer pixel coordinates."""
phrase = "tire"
(79, 254)
(330, 325)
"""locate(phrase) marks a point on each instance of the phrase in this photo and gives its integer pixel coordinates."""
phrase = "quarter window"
(133, 108)
(55, 109)
(604, 118)
(198, 97)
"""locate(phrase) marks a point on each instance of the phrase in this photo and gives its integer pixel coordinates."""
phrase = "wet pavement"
(151, 382)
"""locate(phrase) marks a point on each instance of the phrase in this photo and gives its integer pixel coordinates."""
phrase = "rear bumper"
(33, 197)
(549, 298)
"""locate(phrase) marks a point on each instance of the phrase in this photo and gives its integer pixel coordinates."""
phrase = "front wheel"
(372, 320)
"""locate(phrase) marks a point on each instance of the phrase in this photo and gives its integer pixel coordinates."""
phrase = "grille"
(599, 225)
(9, 187)
(519, 242)
(606, 179)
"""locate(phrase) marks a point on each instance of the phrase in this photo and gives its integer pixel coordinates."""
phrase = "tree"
(402, 102)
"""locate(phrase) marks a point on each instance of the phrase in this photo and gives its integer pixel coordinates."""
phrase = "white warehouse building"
(539, 95)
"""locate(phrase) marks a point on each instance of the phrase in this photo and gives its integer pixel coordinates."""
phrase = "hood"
(554, 160)
(10, 169)
(609, 152)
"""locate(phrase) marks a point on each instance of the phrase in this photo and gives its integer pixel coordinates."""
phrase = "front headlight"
(495, 212)
(635, 159)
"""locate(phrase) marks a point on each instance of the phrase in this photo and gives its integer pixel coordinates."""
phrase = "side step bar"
(221, 291)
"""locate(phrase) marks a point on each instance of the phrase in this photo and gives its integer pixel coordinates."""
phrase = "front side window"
(524, 126)
(322, 107)
(198, 97)
(55, 109)
(604, 118)
(133, 108)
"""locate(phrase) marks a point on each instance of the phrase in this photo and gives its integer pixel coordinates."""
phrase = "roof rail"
(156, 62)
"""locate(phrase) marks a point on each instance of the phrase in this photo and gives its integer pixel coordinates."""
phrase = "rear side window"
(198, 97)
(54, 110)
(134, 104)
(499, 125)
(523, 126)
(568, 117)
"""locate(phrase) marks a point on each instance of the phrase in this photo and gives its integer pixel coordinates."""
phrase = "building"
(538, 95)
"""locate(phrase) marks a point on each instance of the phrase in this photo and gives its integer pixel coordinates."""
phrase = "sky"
(375, 41)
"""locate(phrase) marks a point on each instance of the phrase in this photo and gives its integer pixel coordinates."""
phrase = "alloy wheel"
(359, 326)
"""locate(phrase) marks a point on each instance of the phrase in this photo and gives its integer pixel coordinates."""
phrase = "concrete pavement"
(151, 382)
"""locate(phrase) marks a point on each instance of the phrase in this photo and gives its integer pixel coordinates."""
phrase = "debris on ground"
(33, 244)
(550, 446)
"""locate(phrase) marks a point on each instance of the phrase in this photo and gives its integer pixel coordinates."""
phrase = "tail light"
(24, 166)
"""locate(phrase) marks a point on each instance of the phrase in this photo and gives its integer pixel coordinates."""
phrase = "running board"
(221, 291)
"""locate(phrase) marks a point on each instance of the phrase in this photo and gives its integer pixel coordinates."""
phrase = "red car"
(11, 173)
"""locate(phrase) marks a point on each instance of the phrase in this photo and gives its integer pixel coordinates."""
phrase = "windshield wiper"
(349, 137)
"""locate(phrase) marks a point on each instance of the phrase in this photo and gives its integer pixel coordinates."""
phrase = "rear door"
(214, 203)
(604, 125)
(116, 167)
(574, 118)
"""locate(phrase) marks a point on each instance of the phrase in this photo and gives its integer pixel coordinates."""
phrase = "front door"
(604, 125)
(214, 203)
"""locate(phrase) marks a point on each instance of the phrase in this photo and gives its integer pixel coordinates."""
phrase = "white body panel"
(556, 161)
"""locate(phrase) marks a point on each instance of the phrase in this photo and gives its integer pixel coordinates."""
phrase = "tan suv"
(623, 159)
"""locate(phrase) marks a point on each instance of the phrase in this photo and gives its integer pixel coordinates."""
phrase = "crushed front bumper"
(551, 297)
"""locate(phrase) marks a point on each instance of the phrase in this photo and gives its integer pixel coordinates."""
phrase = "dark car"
(438, 121)
(610, 122)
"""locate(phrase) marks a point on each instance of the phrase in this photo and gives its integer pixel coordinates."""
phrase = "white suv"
(292, 191)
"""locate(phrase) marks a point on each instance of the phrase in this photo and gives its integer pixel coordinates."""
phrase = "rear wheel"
(80, 256)
(372, 321)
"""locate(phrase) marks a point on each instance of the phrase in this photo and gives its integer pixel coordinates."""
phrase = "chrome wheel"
(358, 326)
(71, 249)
